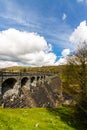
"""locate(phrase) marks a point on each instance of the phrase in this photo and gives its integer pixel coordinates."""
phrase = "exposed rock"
(70, 102)
(9, 93)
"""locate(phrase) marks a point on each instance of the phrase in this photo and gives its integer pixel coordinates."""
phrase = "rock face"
(47, 94)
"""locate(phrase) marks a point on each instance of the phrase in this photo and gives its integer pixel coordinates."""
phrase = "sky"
(40, 32)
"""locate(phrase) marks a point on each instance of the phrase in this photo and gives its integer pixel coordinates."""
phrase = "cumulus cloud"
(65, 52)
(64, 16)
(80, 34)
(7, 63)
(18, 47)
(63, 59)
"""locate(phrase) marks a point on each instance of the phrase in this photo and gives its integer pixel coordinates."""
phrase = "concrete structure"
(39, 89)
(15, 80)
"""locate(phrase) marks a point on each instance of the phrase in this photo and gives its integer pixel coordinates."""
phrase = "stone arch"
(42, 77)
(24, 81)
(9, 77)
(32, 79)
(8, 84)
(38, 78)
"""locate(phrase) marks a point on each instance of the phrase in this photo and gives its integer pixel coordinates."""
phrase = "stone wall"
(47, 93)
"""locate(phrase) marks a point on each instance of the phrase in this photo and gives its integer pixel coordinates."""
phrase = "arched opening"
(24, 81)
(8, 84)
(38, 78)
(32, 79)
(42, 77)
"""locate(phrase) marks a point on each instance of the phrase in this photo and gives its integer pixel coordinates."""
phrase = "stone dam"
(23, 90)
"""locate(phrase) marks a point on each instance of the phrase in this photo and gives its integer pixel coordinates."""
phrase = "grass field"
(37, 119)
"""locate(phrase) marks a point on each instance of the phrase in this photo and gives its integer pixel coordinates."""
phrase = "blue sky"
(54, 20)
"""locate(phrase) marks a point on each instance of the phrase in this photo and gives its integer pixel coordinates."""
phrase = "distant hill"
(52, 69)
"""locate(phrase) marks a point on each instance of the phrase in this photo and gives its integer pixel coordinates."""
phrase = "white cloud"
(4, 64)
(15, 15)
(63, 59)
(17, 47)
(65, 52)
(80, 34)
(12, 11)
(64, 16)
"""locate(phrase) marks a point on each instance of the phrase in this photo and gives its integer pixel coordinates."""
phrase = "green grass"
(37, 119)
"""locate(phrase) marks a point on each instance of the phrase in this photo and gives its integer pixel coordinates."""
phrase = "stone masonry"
(29, 90)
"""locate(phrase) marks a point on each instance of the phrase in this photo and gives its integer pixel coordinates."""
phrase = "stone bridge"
(19, 89)
(15, 80)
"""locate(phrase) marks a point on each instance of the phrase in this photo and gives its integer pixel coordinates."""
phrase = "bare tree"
(77, 76)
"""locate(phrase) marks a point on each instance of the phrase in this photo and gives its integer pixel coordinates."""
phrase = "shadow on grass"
(67, 115)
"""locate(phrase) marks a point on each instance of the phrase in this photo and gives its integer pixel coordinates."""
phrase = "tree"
(77, 77)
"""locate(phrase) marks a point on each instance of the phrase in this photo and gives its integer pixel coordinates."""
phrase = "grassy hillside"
(53, 69)
(37, 119)
(41, 118)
